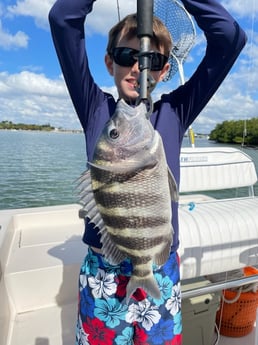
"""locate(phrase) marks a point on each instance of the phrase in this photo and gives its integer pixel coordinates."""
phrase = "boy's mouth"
(133, 83)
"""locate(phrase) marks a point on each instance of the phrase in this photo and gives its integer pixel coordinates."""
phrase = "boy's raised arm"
(66, 19)
(225, 40)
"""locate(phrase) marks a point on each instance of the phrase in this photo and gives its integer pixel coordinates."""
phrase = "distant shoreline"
(9, 125)
(73, 131)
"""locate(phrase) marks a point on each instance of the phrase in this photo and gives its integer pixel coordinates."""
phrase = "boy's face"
(126, 78)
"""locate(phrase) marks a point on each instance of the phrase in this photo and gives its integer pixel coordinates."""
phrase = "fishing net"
(181, 27)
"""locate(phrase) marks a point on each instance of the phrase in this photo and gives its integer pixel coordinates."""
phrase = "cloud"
(32, 8)
(10, 41)
(105, 13)
(234, 100)
(241, 8)
(33, 98)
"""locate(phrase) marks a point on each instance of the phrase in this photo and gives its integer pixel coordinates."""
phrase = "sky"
(32, 89)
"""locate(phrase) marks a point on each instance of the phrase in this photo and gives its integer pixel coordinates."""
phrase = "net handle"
(144, 33)
(144, 18)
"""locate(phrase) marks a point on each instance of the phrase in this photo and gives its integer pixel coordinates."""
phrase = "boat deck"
(56, 326)
(38, 287)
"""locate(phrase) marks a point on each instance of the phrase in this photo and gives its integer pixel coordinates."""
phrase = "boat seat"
(46, 251)
(216, 235)
(209, 169)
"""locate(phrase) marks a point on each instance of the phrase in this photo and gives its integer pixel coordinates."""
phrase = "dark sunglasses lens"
(158, 61)
(124, 56)
(127, 57)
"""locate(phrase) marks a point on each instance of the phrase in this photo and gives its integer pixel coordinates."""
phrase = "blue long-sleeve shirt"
(175, 111)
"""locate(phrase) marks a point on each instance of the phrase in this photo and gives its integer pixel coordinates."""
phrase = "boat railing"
(219, 286)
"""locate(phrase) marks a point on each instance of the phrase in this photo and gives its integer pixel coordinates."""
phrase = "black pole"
(144, 18)
(144, 33)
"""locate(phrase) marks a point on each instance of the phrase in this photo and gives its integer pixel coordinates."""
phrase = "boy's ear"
(164, 71)
(109, 64)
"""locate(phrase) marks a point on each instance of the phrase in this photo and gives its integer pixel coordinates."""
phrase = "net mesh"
(181, 27)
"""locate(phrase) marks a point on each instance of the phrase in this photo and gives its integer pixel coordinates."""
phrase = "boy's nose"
(135, 67)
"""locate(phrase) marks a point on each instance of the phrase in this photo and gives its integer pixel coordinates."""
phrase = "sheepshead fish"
(127, 193)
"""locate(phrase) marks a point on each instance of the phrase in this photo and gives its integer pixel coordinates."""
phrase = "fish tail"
(148, 284)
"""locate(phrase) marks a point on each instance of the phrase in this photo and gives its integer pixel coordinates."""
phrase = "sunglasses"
(127, 57)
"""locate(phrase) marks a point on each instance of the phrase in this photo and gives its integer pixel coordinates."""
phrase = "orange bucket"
(237, 314)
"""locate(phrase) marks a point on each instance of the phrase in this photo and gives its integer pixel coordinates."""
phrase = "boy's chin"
(131, 97)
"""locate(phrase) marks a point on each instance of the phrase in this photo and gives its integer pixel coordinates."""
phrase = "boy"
(104, 317)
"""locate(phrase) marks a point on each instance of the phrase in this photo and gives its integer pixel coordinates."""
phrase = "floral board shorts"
(104, 318)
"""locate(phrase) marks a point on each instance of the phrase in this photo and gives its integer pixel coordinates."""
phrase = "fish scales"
(137, 213)
(138, 197)
(132, 191)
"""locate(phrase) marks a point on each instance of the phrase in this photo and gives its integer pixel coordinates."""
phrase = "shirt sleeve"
(225, 40)
(66, 19)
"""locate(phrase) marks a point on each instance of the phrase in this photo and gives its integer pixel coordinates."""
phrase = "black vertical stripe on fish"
(133, 222)
(141, 273)
(124, 198)
(137, 243)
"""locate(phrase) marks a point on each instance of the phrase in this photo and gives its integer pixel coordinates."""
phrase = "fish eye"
(114, 133)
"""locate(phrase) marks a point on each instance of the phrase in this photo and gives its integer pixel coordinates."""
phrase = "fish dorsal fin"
(86, 199)
(172, 186)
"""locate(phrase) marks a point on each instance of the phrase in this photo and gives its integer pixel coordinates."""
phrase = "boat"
(41, 250)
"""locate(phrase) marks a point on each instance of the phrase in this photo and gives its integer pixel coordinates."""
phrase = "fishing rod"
(145, 32)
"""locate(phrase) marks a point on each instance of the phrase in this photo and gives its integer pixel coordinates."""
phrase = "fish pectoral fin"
(172, 186)
(109, 249)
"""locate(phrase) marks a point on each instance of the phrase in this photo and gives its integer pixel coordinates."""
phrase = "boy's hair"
(127, 28)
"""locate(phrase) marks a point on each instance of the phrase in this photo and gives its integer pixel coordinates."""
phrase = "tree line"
(236, 132)
(23, 126)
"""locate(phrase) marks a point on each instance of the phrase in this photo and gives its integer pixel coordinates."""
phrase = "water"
(40, 168)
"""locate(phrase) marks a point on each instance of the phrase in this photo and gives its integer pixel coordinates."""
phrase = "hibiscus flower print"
(81, 336)
(98, 334)
(86, 303)
(165, 287)
(91, 264)
(178, 323)
(110, 312)
(121, 287)
(103, 284)
(126, 338)
(83, 281)
(177, 340)
(162, 332)
(144, 313)
(140, 336)
(171, 269)
(174, 303)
